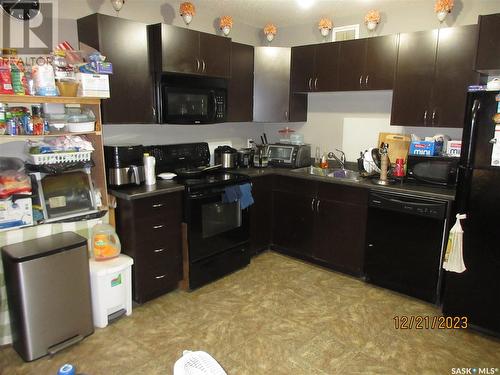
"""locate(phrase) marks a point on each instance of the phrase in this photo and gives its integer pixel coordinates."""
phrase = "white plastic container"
(81, 127)
(111, 287)
(149, 169)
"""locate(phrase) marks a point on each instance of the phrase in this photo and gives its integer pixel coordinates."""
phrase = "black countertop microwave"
(185, 99)
(433, 170)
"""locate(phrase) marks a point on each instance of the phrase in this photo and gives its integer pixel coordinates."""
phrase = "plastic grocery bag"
(453, 258)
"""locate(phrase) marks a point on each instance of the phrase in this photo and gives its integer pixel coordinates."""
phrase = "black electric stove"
(218, 231)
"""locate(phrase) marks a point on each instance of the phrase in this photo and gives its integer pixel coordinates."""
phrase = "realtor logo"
(36, 33)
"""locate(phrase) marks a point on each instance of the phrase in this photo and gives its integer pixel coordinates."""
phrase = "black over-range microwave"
(191, 100)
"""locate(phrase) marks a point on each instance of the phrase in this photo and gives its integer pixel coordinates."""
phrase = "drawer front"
(168, 249)
(152, 282)
(295, 185)
(346, 194)
(165, 205)
(155, 234)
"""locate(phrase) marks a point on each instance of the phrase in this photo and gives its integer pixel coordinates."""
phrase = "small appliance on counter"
(289, 156)
(245, 157)
(226, 156)
(433, 170)
(124, 164)
(67, 195)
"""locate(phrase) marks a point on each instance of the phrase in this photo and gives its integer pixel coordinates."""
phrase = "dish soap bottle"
(324, 162)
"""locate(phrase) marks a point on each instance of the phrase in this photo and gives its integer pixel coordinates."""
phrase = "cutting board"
(399, 144)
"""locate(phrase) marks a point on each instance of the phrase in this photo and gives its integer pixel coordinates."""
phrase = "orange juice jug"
(105, 242)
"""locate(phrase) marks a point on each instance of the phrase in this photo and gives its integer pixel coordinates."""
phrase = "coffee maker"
(124, 164)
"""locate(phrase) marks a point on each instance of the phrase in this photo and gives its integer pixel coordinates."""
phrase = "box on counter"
(425, 148)
(453, 148)
(94, 85)
(102, 67)
(15, 214)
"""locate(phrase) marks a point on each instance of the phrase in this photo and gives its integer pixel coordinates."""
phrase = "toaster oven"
(66, 195)
(289, 156)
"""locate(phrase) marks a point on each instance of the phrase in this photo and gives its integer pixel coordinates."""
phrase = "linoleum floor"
(277, 316)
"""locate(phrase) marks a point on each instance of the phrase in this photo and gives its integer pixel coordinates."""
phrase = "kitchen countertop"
(169, 186)
(142, 191)
(437, 192)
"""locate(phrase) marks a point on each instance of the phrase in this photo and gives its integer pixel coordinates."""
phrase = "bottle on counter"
(399, 169)
(324, 161)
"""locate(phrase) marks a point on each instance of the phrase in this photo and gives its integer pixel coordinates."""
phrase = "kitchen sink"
(343, 174)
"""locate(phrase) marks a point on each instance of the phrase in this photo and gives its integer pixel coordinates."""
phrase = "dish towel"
(453, 259)
(246, 198)
(231, 194)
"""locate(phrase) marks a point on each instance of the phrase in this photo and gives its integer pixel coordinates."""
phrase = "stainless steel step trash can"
(48, 291)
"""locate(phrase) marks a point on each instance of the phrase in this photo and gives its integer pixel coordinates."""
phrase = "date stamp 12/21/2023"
(430, 322)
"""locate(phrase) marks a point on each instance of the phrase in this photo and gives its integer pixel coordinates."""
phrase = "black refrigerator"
(475, 293)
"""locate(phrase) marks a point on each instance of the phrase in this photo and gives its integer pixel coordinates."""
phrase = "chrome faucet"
(341, 160)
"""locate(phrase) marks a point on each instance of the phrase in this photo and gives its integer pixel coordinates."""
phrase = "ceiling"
(295, 12)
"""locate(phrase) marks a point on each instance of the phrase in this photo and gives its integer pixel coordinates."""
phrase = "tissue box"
(94, 85)
(425, 148)
(453, 148)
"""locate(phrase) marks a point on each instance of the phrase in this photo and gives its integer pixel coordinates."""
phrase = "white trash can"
(111, 287)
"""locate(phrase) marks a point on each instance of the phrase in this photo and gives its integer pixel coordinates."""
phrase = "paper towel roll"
(149, 169)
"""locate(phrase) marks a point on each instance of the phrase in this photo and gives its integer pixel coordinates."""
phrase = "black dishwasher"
(404, 244)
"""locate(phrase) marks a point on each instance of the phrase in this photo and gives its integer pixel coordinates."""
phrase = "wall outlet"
(250, 142)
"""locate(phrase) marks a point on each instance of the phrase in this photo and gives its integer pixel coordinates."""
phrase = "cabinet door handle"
(433, 115)
(312, 204)
(370, 245)
(204, 66)
(366, 80)
(317, 205)
(159, 250)
(425, 117)
(286, 115)
(156, 205)
(158, 226)
(197, 65)
(153, 109)
(160, 277)
(310, 84)
(360, 80)
(316, 83)
(493, 141)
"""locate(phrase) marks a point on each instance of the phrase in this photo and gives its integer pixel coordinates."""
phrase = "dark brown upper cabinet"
(273, 99)
(367, 64)
(488, 52)
(240, 86)
(433, 71)
(124, 43)
(314, 68)
(180, 50)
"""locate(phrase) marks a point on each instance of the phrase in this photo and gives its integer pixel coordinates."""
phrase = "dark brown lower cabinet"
(340, 227)
(261, 214)
(293, 223)
(150, 232)
(321, 222)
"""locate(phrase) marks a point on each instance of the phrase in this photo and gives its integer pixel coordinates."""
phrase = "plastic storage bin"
(111, 286)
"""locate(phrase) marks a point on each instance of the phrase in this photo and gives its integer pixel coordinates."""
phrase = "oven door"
(184, 105)
(214, 226)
